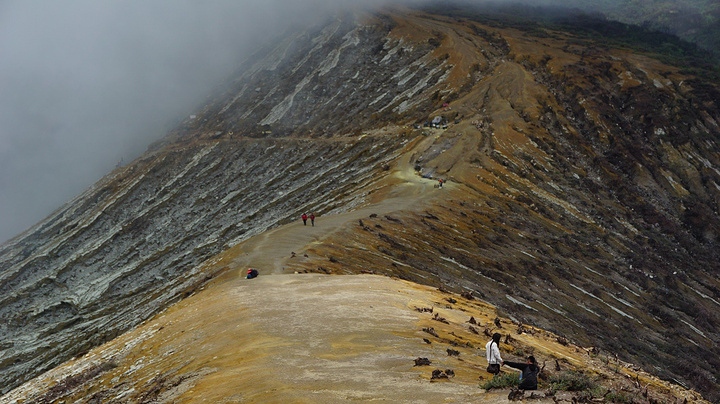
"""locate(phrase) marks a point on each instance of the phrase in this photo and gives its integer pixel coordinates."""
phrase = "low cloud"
(84, 84)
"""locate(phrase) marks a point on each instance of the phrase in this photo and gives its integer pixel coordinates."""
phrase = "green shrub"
(502, 381)
(619, 397)
(592, 394)
(571, 381)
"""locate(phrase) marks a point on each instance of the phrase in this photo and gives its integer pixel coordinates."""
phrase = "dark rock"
(422, 362)
(437, 317)
(430, 331)
(515, 395)
(440, 374)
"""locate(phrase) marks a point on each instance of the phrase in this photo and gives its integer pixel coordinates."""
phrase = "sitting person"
(252, 273)
(530, 370)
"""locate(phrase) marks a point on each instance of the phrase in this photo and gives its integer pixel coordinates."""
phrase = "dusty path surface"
(403, 191)
(286, 338)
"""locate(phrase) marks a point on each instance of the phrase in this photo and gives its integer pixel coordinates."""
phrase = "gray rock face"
(335, 79)
(132, 244)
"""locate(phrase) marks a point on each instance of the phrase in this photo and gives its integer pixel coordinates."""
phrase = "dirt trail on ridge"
(403, 190)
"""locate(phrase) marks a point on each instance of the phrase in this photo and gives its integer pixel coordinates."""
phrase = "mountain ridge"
(585, 171)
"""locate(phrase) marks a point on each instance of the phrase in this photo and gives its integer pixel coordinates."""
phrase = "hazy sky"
(84, 83)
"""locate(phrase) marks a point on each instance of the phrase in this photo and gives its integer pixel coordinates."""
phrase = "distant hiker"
(304, 218)
(312, 219)
(252, 273)
(530, 370)
(440, 182)
(492, 353)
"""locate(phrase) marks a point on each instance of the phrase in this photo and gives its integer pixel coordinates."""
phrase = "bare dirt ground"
(284, 338)
(308, 338)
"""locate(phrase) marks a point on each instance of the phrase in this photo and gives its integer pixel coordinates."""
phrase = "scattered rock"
(515, 395)
(473, 330)
(437, 317)
(373, 215)
(562, 341)
(430, 331)
(422, 362)
(424, 309)
(467, 295)
(497, 323)
(439, 374)
(472, 320)
(427, 341)
(451, 300)
(452, 352)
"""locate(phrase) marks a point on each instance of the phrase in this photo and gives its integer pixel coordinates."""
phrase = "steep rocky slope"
(133, 243)
(583, 192)
(586, 202)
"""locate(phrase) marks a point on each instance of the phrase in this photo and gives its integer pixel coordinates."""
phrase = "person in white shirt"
(492, 353)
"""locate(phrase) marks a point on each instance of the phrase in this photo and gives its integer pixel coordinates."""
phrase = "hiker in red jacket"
(312, 219)
(304, 218)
